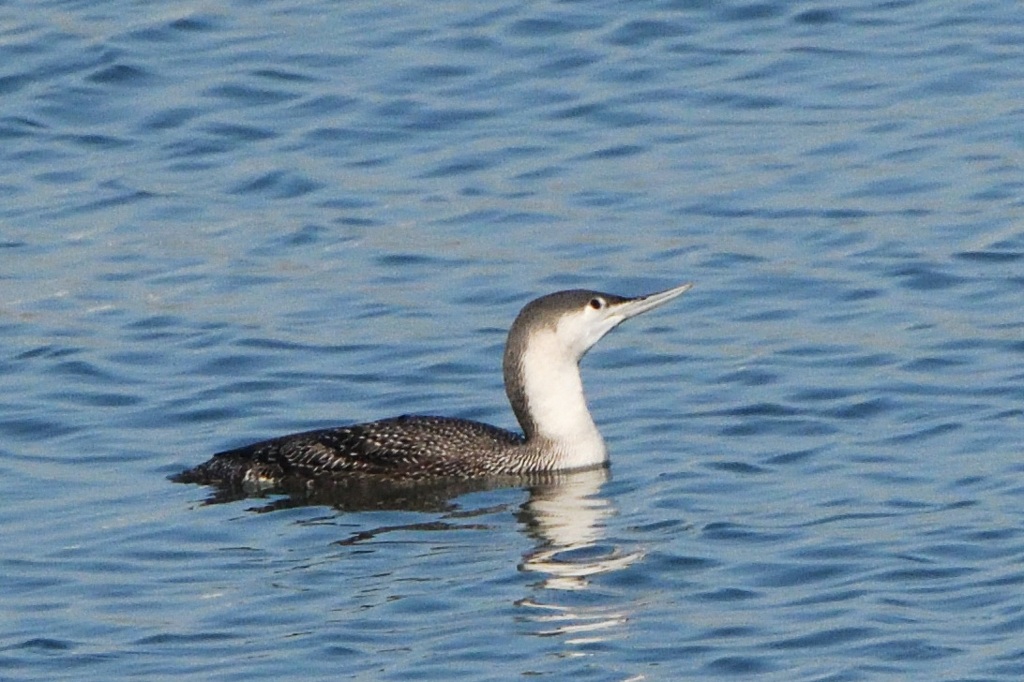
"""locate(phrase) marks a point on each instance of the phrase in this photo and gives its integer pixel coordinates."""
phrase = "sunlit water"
(225, 221)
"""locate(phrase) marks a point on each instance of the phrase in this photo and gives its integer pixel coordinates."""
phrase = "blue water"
(225, 221)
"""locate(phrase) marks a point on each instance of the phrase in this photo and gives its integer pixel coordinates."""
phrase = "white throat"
(554, 396)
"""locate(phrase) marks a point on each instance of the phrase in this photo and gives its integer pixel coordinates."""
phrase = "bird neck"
(542, 380)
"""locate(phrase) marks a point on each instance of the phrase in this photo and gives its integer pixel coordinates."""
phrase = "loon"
(542, 381)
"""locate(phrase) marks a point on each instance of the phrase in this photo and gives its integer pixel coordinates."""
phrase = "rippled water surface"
(223, 221)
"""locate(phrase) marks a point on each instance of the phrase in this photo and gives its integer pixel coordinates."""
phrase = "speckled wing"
(406, 447)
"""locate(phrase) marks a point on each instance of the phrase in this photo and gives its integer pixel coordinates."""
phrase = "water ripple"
(224, 225)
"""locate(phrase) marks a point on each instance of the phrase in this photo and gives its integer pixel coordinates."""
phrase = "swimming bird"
(542, 381)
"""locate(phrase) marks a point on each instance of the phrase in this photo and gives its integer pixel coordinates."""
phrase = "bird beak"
(632, 307)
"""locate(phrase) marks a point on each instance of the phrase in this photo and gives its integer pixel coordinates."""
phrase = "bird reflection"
(564, 513)
(363, 493)
(568, 520)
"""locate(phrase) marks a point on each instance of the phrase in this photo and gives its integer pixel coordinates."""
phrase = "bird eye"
(597, 303)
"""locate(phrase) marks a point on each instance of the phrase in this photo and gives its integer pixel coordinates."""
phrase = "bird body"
(543, 384)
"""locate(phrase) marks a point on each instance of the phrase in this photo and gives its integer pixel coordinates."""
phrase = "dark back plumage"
(400, 447)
